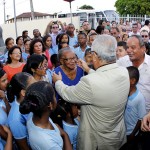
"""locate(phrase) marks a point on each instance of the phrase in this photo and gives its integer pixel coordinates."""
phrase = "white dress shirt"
(144, 81)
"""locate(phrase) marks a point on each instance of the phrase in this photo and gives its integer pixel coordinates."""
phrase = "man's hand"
(84, 65)
(56, 77)
(145, 126)
(59, 22)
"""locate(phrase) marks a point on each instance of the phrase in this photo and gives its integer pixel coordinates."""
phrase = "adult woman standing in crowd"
(40, 99)
(53, 30)
(37, 47)
(19, 42)
(14, 62)
(36, 65)
(47, 40)
(71, 73)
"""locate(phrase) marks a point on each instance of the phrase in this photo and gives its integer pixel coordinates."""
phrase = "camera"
(55, 22)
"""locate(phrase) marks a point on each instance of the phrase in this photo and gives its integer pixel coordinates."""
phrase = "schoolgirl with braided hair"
(43, 133)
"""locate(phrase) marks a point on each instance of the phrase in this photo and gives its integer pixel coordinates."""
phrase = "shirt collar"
(147, 59)
(108, 67)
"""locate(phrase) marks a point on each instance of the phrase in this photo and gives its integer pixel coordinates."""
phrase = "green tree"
(86, 7)
(133, 7)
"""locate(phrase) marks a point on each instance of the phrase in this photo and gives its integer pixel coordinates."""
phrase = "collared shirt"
(44, 139)
(3, 114)
(1, 145)
(131, 33)
(54, 37)
(3, 117)
(17, 121)
(73, 40)
(144, 80)
(135, 110)
(72, 131)
(145, 28)
(78, 51)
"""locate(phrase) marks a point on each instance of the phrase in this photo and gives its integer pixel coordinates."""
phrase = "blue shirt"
(2, 104)
(135, 110)
(17, 122)
(53, 50)
(3, 114)
(2, 59)
(56, 48)
(3, 117)
(78, 51)
(1, 145)
(25, 56)
(72, 131)
(67, 80)
(73, 41)
(5, 56)
(49, 75)
(44, 139)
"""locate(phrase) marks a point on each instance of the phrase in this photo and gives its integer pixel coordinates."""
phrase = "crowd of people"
(82, 90)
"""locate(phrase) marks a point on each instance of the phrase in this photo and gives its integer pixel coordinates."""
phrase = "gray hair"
(61, 52)
(105, 47)
(140, 39)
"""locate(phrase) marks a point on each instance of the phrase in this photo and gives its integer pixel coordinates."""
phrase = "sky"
(50, 6)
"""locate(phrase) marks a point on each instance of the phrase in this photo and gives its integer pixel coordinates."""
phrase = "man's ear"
(143, 49)
(23, 92)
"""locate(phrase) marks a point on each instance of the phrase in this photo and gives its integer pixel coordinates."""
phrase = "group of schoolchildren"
(37, 100)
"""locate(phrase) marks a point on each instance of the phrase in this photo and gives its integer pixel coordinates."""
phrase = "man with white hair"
(102, 95)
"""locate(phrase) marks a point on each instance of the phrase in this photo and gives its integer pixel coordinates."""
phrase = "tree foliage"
(86, 7)
(133, 7)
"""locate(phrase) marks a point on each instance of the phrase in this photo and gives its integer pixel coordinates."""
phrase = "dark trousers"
(145, 140)
(131, 145)
(141, 142)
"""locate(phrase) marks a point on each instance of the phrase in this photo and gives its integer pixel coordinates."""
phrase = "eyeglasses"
(42, 67)
(113, 33)
(54, 27)
(70, 59)
(144, 36)
(16, 53)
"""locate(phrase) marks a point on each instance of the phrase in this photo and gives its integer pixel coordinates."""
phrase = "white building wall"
(41, 24)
